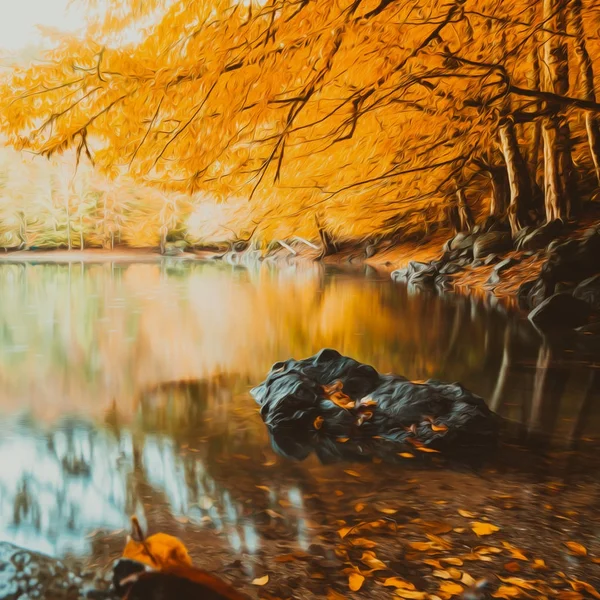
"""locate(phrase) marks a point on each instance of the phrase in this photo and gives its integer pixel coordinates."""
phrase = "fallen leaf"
(317, 576)
(522, 583)
(273, 514)
(355, 581)
(284, 558)
(406, 455)
(467, 579)
(367, 402)
(344, 531)
(341, 440)
(442, 574)
(579, 586)
(514, 552)
(420, 546)
(261, 580)
(318, 422)
(371, 560)
(398, 583)
(339, 493)
(363, 543)
(454, 572)
(459, 529)
(507, 591)
(411, 594)
(576, 548)
(435, 427)
(466, 514)
(481, 528)
(569, 595)
(426, 449)
(437, 527)
(512, 567)
(388, 511)
(359, 507)
(352, 473)
(449, 587)
(264, 488)
(453, 561)
(333, 595)
(539, 564)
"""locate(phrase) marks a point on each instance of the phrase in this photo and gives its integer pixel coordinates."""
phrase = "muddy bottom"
(530, 525)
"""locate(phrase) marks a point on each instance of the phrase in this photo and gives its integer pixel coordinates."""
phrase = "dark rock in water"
(494, 242)
(400, 274)
(27, 574)
(560, 311)
(520, 235)
(589, 291)
(443, 283)
(490, 258)
(477, 263)
(240, 245)
(370, 250)
(434, 414)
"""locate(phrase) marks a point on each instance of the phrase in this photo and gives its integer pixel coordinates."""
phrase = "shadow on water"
(125, 389)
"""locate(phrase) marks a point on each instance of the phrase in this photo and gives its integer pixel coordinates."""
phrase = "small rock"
(494, 242)
(560, 311)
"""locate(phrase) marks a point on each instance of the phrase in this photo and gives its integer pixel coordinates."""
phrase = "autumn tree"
(330, 119)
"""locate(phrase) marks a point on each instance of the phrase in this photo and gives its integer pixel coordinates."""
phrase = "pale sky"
(20, 17)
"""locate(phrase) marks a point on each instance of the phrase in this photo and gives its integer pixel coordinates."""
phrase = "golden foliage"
(362, 113)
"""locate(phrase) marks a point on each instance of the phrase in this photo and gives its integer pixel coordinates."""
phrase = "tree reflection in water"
(134, 381)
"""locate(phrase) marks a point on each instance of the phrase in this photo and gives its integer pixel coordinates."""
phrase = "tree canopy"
(361, 117)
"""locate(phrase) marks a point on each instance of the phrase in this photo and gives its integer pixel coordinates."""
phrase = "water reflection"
(124, 387)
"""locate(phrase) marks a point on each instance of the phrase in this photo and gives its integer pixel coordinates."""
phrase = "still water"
(124, 386)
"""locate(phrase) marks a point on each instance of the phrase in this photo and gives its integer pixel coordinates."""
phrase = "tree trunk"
(69, 243)
(500, 192)
(465, 215)
(81, 232)
(453, 217)
(534, 80)
(519, 181)
(588, 92)
(327, 244)
(559, 175)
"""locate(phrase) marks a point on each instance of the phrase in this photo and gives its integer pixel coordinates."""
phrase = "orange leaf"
(481, 528)
(261, 580)
(318, 422)
(406, 455)
(352, 473)
(355, 581)
(398, 583)
(435, 427)
(576, 548)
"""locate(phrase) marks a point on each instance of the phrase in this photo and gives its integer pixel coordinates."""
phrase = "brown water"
(124, 388)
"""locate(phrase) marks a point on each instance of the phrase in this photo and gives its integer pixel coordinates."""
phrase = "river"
(125, 388)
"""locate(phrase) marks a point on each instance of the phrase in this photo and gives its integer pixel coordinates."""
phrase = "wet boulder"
(589, 291)
(338, 396)
(493, 242)
(539, 238)
(560, 311)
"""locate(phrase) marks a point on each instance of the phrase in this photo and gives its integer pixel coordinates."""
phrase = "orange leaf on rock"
(512, 567)
(406, 455)
(261, 580)
(355, 581)
(318, 422)
(435, 427)
(371, 560)
(466, 514)
(441, 574)
(352, 473)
